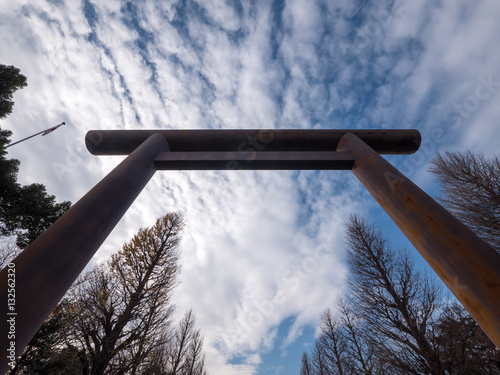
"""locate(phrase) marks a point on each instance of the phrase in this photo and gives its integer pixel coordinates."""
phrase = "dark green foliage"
(43, 355)
(25, 211)
(8, 167)
(11, 80)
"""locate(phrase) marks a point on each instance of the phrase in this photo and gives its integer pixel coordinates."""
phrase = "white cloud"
(221, 14)
(259, 247)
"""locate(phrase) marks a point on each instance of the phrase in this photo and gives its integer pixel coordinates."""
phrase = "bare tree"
(397, 302)
(471, 191)
(116, 319)
(8, 251)
(358, 348)
(121, 308)
(184, 354)
(394, 321)
(332, 341)
(329, 353)
(181, 352)
(343, 346)
(318, 360)
(464, 347)
(306, 365)
(195, 358)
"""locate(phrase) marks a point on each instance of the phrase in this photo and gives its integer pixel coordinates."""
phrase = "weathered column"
(45, 270)
(467, 265)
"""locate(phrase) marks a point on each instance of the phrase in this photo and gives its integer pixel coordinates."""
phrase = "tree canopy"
(471, 191)
(122, 307)
(25, 211)
(394, 319)
(117, 318)
(11, 80)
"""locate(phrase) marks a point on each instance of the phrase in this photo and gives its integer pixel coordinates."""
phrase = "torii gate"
(45, 270)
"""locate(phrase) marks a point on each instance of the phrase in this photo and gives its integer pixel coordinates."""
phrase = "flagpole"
(34, 135)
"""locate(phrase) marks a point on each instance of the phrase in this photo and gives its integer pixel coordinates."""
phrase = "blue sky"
(262, 250)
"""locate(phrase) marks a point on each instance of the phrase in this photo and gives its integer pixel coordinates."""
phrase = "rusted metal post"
(467, 265)
(45, 270)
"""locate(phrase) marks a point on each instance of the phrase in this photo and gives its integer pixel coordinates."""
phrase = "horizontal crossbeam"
(271, 160)
(123, 142)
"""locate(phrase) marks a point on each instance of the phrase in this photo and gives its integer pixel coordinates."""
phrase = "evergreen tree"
(11, 80)
(25, 211)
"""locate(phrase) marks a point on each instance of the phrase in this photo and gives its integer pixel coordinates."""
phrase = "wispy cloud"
(260, 248)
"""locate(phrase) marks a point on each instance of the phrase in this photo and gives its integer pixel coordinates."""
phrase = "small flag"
(43, 132)
(52, 129)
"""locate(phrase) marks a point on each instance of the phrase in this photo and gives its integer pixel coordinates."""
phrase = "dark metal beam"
(469, 267)
(45, 270)
(122, 142)
(234, 160)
